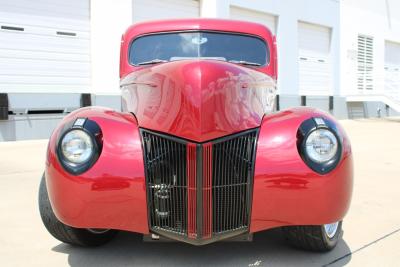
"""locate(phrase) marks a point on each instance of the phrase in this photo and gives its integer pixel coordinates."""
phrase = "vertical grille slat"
(192, 188)
(232, 191)
(174, 215)
(207, 190)
(176, 203)
(222, 189)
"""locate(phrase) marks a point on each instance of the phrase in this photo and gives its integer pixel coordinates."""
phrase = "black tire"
(312, 237)
(65, 233)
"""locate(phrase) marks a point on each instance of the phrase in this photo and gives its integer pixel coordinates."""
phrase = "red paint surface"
(198, 100)
(112, 194)
(286, 191)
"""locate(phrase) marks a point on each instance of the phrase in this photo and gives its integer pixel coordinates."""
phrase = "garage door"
(315, 64)
(253, 16)
(44, 46)
(392, 70)
(164, 9)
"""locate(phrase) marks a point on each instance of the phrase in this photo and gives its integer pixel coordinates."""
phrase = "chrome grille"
(165, 166)
(199, 191)
(232, 180)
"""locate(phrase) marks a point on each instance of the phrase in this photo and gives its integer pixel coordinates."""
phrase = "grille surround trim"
(204, 236)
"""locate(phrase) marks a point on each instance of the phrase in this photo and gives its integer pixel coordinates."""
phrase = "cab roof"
(205, 24)
(224, 25)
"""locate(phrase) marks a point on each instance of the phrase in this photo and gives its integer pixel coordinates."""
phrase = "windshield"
(156, 48)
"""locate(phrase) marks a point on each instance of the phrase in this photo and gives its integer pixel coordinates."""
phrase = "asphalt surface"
(371, 228)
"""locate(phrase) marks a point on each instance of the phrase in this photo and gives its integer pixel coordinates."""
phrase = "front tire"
(314, 237)
(65, 233)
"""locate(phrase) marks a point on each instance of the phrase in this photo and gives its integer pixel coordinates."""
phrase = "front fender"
(112, 193)
(286, 191)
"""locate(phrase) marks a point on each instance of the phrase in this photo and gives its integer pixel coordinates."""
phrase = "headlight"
(80, 146)
(321, 145)
(77, 147)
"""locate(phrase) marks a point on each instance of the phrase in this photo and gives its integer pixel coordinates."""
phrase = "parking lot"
(371, 228)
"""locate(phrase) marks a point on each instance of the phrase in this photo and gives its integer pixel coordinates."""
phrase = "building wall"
(44, 46)
(109, 19)
(369, 19)
(44, 64)
(379, 20)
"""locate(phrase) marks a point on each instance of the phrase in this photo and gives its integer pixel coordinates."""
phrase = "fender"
(286, 191)
(112, 193)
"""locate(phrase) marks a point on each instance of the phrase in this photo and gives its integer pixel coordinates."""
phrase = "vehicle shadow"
(267, 249)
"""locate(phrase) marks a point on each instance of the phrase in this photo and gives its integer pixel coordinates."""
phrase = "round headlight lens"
(321, 145)
(77, 147)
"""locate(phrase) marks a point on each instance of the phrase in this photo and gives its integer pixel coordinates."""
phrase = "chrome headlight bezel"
(92, 131)
(71, 143)
(311, 127)
(319, 140)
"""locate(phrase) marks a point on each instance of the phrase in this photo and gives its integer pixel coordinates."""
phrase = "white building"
(370, 57)
(55, 56)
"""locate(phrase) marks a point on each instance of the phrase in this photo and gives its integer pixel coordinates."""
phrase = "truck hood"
(198, 100)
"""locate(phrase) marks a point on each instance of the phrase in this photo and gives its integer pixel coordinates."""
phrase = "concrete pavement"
(371, 228)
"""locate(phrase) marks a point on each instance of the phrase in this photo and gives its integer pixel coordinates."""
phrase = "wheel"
(314, 237)
(65, 233)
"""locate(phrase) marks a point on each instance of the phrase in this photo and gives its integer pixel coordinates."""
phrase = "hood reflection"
(198, 99)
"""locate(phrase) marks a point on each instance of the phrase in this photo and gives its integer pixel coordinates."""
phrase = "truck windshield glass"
(157, 48)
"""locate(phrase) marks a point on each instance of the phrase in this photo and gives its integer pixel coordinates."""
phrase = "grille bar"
(207, 190)
(192, 189)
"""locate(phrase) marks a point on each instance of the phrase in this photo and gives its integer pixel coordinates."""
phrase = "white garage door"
(164, 9)
(253, 16)
(315, 64)
(44, 46)
(392, 70)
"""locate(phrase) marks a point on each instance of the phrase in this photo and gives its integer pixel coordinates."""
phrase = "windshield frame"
(267, 46)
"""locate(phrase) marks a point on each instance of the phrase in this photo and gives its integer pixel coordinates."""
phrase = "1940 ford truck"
(198, 153)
